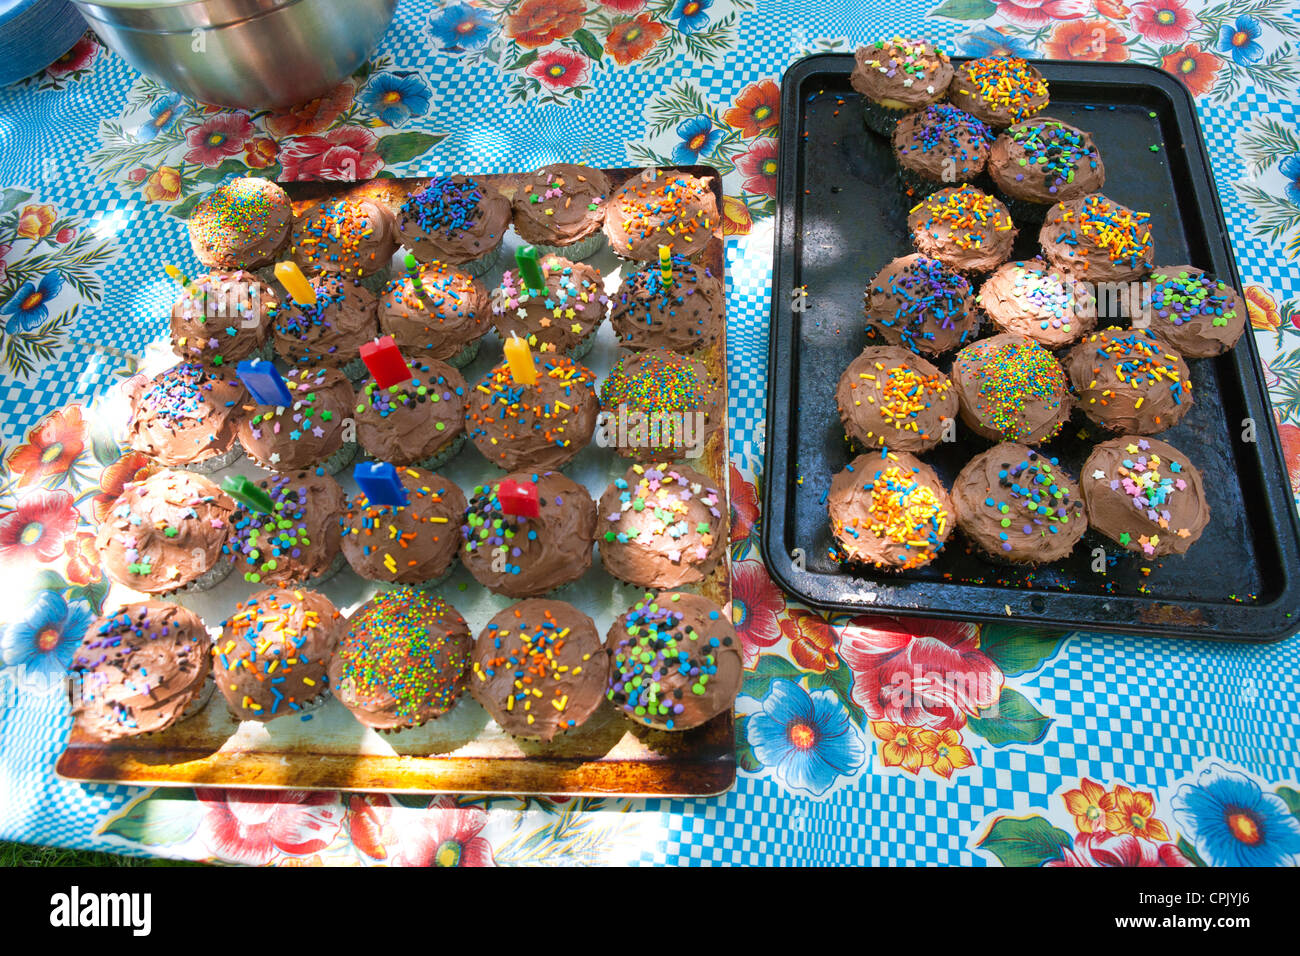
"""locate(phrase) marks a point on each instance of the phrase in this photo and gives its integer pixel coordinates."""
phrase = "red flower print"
(443, 835)
(1087, 40)
(757, 109)
(744, 506)
(919, 673)
(260, 152)
(758, 166)
(1114, 9)
(254, 826)
(314, 116)
(37, 528)
(79, 57)
(1109, 849)
(1035, 13)
(5, 249)
(559, 69)
(1164, 21)
(65, 235)
(538, 22)
(52, 448)
(623, 6)
(133, 466)
(812, 640)
(83, 559)
(370, 823)
(347, 154)
(736, 217)
(632, 39)
(755, 603)
(218, 138)
(1290, 436)
(1197, 68)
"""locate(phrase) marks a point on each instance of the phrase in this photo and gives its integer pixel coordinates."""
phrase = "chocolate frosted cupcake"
(186, 417)
(140, 669)
(1000, 90)
(564, 317)
(295, 543)
(674, 661)
(661, 526)
(1034, 300)
(457, 220)
(1196, 314)
(242, 224)
(1144, 494)
(539, 669)
(684, 314)
(560, 209)
(890, 512)
(272, 658)
(964, 228)
(309, 432)
(891, 398)
(1097, 240)
(443, 317)
(1127, 380)
(539, 426)
(356, 237)
(1019, 505)
(659, 405)
(1010, 388)
(166, 533)
(417, 422)
(662, 207)
(1044, 161)
(403, 660)
(332, 331)
(922, 305)
(938, 146)
(222, 318)
(896, 77)
(414, 543)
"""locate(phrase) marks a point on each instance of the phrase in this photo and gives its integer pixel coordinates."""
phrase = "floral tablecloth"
(1077, 749)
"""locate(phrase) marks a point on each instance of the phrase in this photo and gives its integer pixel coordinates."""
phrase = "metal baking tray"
(463, 751)
(841, 217)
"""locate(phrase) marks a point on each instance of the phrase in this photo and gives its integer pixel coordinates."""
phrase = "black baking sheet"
(841, 217)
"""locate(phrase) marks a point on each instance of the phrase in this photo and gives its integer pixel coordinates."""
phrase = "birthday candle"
(413, 270)
(529, 269)
(518, 498)
(248, 494)
(520, 358)
(378, 481)
(385, 362)
(264, 383)
(295, 283)
(666, 263)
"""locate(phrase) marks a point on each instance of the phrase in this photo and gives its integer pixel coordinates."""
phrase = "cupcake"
(222, 318)
(662, 207)
(443, 317)
(686, 313)
(356, 237)
(166, 533)
(888, 511)
(403, 661)
(242, 224)
(674, 661)
(891, 398)
(1000, 90)
(521, 556)
(140, 669)
(1010, 388)
(938, 146)
(564, 317)
(297, 542)
(922, 305)
(272, 658)
(1018, 505)
(332, 331)
(1129, 381)
(1032, 299)
(1195, 314)
(307, 433)
(420, 421)
(560, 209)
(658, 405)
(964, 228)
(186, 417)
(897, 77)
(540, 426)
(1145, 495)
(1043, 161)
(661, 526)
(1097, 240)
(414, 543)
(539, 669)
(457, 220)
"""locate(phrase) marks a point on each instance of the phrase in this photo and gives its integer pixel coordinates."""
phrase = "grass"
(24, 854)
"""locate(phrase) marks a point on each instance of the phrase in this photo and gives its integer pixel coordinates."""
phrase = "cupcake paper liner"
(205, 581)
(919, 186)
(466, 355)
(444, 454)
(584, 345)
(582, 249)
(216, 462)
(1023, 211)
(881, 119)
(483, 264)
(356, 370)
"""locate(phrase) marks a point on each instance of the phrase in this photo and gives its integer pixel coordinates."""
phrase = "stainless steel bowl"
(247, 53)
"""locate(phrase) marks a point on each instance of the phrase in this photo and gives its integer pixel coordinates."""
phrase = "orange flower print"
(1086, 40)
(1197, 68)
(945, 751)
(314, 116)
(260, 152)
(538, 22)
(35, 222)
(1112, 8)
(1088, 806)
(1290, 436)
(632, 39)
(902, 746)
(736, 219)
(1262, 309)
(83, 559)
(133, 466)
(812, 640)
(52, 448)
(757, 109)
(1131, 813)
(163, 185)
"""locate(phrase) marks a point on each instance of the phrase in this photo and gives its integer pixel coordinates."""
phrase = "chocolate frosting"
(242, 224)
(405, 544)
(1000, 90)
(164, 531)
(684, 314)
(185, 415)
(1044, 160)
(1127, 380)
(1011, 389)
(900, 73)
(891, 398)
(403, 661)
(553, 205)
(539, 669)
(942, 140)
(354, 236)
(891, 512)
(1145, 495)
(332, 331)
(922, 305)
(964, 228)
(1194, 313)
(221, 319)
(140, 668)
(453, 219)
(306, 432)
(646, 397)
(674, 209)
(408, 422)
(1032, 299)
(296, 542)
(273, 655)
(449, 311)
(561, 316)
(1019, 505)
(540, 426)
(543, 553)
(1098, 240)
(675, 661)
(662, 525)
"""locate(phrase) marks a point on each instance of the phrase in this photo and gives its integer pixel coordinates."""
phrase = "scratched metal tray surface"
(464, 751)
(841, 217)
